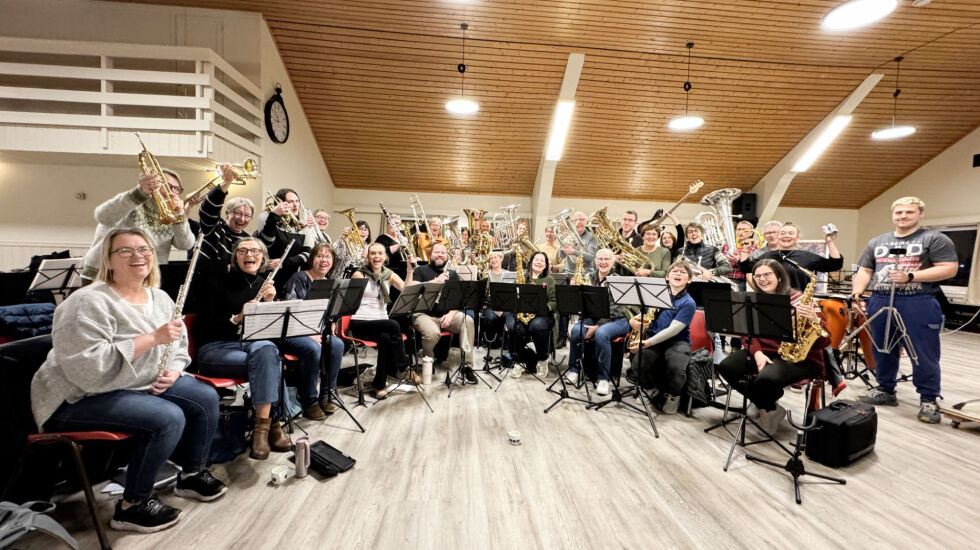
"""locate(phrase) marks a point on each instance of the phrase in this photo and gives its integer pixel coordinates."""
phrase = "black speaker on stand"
(746, 205)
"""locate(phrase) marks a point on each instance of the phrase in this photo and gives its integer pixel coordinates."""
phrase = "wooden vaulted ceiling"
(373, 77)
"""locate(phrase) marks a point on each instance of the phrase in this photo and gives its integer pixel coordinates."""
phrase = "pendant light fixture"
(686, 122)
(462, 106)
(894, 132)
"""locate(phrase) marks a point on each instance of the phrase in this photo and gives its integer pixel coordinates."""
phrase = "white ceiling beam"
(544, 181)
(771, 188)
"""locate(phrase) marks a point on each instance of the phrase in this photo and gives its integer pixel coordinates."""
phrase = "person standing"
(913, 260)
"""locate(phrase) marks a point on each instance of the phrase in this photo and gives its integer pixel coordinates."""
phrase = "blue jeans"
(331, 366)
(187, 413)
(258, 360)
(604, 335)
(923, 319)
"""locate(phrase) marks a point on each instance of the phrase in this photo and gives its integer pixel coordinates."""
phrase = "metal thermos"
(426, 370)
(302, 456)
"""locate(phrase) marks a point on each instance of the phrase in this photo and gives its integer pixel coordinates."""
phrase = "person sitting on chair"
(538, 328)
(106, 372)
(492, 322)
(371, 322)
(757, 371)
(223, 353)
(603, 330)
(667, 347)
(320, 267)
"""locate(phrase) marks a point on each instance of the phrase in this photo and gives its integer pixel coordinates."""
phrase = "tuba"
(166, 209)
(505, 225)
(718, 227)
(450, 230)
(607, 234)
(566, 234)
(243, 171)
(351, 251)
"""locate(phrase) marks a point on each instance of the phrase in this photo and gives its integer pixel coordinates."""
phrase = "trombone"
(247, 169)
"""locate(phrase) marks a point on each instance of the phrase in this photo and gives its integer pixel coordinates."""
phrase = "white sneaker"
(752, 411)
(542, 368)
(602, 388)
(770, 420)
(572, 377)
(671, 403)
(517, 371)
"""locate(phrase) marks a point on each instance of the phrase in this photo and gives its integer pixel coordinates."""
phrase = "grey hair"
(234, 203)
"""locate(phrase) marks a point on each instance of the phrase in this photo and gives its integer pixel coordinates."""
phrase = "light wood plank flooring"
(582, 479)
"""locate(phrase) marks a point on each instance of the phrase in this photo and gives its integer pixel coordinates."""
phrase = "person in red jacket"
(757, 371)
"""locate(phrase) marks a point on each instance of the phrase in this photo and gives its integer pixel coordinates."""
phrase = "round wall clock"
(276, 118)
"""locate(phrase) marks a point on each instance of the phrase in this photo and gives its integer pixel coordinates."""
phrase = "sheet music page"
(263, 320)
(627, 290)
(51, 274)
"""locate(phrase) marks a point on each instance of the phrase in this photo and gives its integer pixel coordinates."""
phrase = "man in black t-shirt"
(429, 326)
(912, 260)
(790, 256)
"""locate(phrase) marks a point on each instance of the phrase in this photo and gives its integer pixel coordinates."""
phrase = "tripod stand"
(462, 296)
(513, 299)
(890, 340)
(586, 302)
(415, 299)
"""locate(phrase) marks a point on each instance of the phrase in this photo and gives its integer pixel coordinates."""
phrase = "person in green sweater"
(537, 329)
(658, 255)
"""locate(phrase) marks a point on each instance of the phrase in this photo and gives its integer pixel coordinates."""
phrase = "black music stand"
(519, 298)
(462, 296)
(586, 302)
(344, 298)
(278, 321)
(418, 298)
(60, 276)
(643, 292)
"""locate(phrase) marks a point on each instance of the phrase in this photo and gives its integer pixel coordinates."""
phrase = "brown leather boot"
(278, 440)
(314, 412)
(260, 439)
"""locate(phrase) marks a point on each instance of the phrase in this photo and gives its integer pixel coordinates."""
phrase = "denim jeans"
(187, 413)
(258, 360)
(604, 335)
(330, 367)
(923, 319)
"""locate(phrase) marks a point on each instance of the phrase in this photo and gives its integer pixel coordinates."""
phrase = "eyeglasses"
(324, 256)
(763, 275)
(176, 189)
(127, 252)
(241, 215)
(247, 251)
(771, 232)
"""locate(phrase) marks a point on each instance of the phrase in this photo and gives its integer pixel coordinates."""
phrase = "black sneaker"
(929, 412)
(469, 375)
(879, 397)
(203, 486)
(149, 516)
(562, 342)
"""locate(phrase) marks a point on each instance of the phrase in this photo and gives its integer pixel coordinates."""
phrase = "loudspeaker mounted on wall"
(746, 205)
(976, 161)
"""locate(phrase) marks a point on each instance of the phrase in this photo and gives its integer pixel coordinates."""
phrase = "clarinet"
(179, 305)
(272, 275)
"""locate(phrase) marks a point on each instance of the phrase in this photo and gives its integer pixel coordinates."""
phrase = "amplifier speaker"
(746, 205)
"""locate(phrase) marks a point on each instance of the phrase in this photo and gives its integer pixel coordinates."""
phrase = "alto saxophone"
(520, 279)
(807, 332)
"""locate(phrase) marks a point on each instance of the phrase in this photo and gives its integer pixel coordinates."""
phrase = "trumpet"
(288, 221)
(166, 209)
(248, 169)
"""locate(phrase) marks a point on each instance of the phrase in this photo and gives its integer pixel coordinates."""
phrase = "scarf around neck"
(379, 278)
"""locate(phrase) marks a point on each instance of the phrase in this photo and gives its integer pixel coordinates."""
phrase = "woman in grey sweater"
(105, 372)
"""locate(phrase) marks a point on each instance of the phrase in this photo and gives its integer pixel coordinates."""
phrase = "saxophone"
(522, 317)
(578, 278)
(807, 332)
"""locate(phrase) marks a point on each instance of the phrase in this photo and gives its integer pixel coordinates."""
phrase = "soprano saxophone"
(179, 305)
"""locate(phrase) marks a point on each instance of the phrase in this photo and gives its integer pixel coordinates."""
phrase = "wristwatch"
(911, 277)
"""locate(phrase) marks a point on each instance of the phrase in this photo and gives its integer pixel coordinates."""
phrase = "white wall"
(38, 212)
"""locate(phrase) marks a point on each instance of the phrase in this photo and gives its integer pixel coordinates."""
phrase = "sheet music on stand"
(508, 277)
(265, 320)
(467, 272)
(640, 291)
(57, 274)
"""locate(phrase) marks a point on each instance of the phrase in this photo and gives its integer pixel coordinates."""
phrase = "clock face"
(276, 120)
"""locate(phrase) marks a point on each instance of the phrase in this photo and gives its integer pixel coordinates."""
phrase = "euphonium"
(722, 233)
(166, 209)
(352, 249)
(645, 321)
(450, 230)
(288, 221)
(246, 170)
(568, 236)
(608, 236)
(807, 332)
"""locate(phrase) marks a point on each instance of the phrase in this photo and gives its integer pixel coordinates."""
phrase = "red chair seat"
(290, 357)
(215, 382)
(78, 436)
(699, 334)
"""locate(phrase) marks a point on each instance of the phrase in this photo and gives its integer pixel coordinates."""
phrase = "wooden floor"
(582, 479)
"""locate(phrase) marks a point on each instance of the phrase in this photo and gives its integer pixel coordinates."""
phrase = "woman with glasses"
(105, 372)
(757, 371)
(222, 352)
(537, 329)
(221, 233)
(658, 255)
(275, 234)
(371, 322)
(319, 268)
(136, 209)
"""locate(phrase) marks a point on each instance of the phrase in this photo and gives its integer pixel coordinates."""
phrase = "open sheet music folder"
(265, 320)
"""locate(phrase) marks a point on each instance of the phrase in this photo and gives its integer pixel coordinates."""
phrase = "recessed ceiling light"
(857, 13)
(686, 122)
(892, 132)
(462, 107)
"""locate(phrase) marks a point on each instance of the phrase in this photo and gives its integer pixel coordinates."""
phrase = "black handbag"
(843, 432)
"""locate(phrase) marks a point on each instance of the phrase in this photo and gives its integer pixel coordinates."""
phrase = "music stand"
(520, 298)
(586, 302)
(344, 298)
(281, 320)
(417, 298)
(462, 295)
(643, 292)
(503, 298)
(60, 276)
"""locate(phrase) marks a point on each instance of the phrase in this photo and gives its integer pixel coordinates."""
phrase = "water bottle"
(302, 454)
(426, 370)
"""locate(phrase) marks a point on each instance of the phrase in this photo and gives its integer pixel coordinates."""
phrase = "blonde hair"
(909, 200)
(152, 279)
